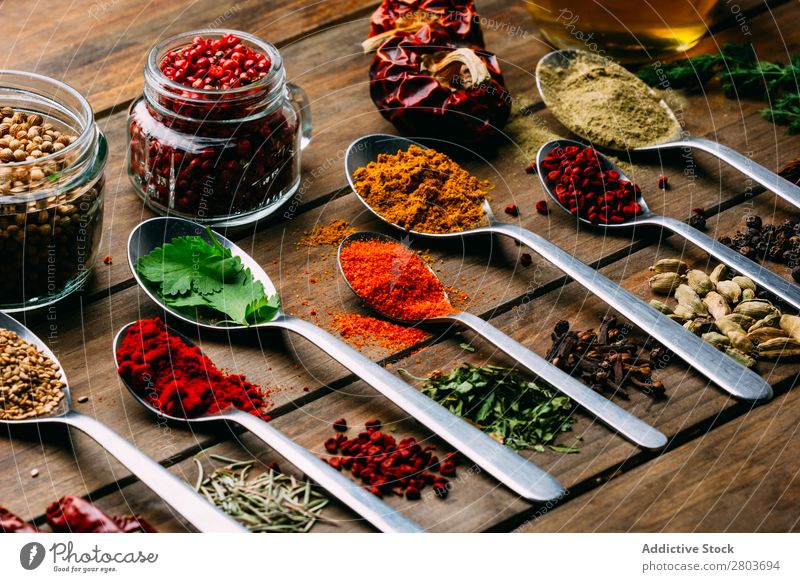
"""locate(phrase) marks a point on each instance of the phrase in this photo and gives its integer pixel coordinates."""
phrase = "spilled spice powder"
(394, 280)
(363, 331)
(326, 234)
(423, 190)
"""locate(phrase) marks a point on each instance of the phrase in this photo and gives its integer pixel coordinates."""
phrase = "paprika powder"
(426, 84)
(361, 330)
(394, 280)
(178, 379)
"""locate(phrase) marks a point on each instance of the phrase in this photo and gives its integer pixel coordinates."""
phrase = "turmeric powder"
(423, 190)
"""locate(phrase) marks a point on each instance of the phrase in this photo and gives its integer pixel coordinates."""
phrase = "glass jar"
(624, 30)
(51, 205)
(219, 157)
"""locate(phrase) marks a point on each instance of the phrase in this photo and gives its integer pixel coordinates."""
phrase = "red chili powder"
(362, 331)
(394, 280)
(177, 379)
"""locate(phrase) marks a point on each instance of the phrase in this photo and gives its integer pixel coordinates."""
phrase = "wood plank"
(741, 477)
(124, 307)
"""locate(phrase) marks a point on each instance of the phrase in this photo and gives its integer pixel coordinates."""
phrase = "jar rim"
(84, 115)
(152, 64)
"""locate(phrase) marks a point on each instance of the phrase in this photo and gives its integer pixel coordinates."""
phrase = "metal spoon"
(767, 279)
(363, 502)
(183, 499)
(520, 475)
(677, 139)
(617, 418)
(706, 359)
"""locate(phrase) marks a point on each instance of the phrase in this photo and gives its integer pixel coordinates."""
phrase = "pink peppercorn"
(542, 208)
(584, 188)
(512, 210)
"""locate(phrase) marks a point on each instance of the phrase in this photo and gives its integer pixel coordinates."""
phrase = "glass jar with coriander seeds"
(52, 159)
(217, 134)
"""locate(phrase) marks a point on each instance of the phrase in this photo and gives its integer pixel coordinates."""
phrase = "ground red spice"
(361, 331)
(394, 280)
(177, 379)
(387, 466)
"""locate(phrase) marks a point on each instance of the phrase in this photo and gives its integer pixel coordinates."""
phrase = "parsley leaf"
(195, 277)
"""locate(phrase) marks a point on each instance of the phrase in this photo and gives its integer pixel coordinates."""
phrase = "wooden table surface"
(728, 467)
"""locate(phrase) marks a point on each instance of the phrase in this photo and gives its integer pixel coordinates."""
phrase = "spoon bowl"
(764, 277)
(348, 492)
(676, 138)
(182, 498)
(617, 418)
(153, 233)
(706, 359)
(519, 474)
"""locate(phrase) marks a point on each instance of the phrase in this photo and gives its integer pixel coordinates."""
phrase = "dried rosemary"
(271, 502)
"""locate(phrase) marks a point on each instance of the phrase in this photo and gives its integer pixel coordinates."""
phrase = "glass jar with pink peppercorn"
(216, 137)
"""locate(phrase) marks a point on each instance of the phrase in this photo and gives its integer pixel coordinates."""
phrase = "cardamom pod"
(716, 304)
(662, 307)
(744, 321)
(765, 334)
(683, 312)
(773, 320)
(699, 282)
(687, 297)
(700, 325)
(756, 308)
(730, 291)
(781, 347)
(665, 283)
(791, 325)
(717, 339)
(744, 282)
(740, 341)
(727, 326)
(748, 294)
(740, 357)
(677, 318)
(670, 266)
(719, 273)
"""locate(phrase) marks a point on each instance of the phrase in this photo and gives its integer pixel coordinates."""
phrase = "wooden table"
(729, 467)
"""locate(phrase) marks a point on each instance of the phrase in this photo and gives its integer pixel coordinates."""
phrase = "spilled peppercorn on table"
(729, 466)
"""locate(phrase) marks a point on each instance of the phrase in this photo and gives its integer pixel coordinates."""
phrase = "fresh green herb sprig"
(194, 275)
(271, 502)
(741, 75)
(505, 404)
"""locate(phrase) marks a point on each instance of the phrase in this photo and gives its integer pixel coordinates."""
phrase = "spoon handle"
(181, 497)
(773, 283)
(363, 502)
(520, 475)
(705, 358)
(618, 418)
(761, 175)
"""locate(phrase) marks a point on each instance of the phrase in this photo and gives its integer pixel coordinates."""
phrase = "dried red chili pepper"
(10, 523)
(133, 524)
(587, 190)
(76, 515)
(426, 84)
(457, 17)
